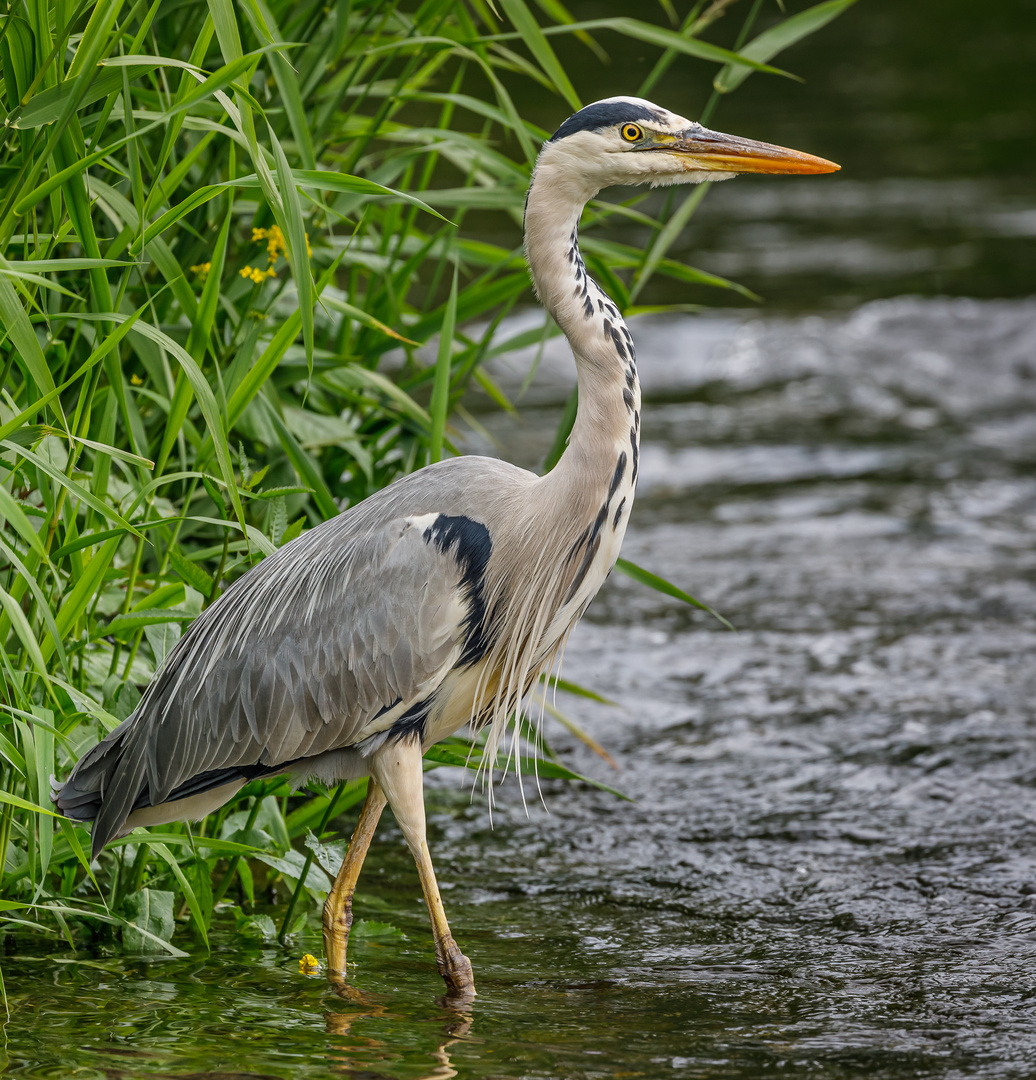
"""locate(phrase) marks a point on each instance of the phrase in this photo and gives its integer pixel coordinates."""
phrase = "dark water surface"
(829, 868)
(830, 865)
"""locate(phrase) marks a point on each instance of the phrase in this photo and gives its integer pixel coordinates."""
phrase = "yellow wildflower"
(253, 273)
(308, 964)
(136, 380)
(275, 245)
(202, 270)
(274, 241)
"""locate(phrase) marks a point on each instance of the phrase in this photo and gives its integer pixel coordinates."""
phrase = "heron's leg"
(398, 770)
(338, 908)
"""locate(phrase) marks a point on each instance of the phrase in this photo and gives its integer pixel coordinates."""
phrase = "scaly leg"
(397, 768)
(338, 908)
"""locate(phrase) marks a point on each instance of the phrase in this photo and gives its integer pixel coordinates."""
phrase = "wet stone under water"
(829, 866)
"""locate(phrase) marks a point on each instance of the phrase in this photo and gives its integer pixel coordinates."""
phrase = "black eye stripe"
(605, 114)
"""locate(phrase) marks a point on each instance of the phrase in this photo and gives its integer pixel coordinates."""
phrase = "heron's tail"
(105, 784)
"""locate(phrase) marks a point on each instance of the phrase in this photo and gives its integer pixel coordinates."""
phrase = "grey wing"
(319, 647)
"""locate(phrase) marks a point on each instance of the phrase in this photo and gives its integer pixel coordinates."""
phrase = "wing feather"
(317, 648)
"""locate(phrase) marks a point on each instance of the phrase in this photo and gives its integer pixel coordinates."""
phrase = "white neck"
(608, 419)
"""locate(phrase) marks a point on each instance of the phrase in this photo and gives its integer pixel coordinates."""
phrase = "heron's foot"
(338, 921)
(455, 968)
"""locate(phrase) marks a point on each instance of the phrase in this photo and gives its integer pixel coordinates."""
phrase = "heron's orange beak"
(712, 151)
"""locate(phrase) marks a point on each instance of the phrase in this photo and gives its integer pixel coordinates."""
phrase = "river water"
(829, 864)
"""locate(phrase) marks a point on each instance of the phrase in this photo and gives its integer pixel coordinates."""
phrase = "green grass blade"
(441, 385)
(23, 631)
(303, 464)
(536, 42)
(15, 323)
(197, 915)
(665, 238)
(83, 593)
(667, 588)
(25, 804)
(77, 491)
(297, 243)
(770, 42)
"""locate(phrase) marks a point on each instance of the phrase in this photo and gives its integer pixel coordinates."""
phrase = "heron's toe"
(455, 968)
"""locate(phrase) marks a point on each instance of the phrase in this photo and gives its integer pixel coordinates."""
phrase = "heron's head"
(627, 140)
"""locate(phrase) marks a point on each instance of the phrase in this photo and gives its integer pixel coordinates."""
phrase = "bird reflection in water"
(456, 1026)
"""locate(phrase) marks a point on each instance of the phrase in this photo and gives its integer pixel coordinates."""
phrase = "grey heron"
(435, 602)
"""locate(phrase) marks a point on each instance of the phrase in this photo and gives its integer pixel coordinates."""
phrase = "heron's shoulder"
(480, 488)
(471, 474)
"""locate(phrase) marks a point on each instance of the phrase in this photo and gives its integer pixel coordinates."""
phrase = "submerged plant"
(230, 236)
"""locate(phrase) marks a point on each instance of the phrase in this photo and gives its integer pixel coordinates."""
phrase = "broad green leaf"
(149, 914)
(191, 572)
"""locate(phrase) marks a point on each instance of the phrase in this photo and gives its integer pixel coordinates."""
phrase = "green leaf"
(452, 754)
(369, 930)
(48, 105)
(664, 39)
(15, 323)
(74, 603)
(659, 584)
(197, 341)
(197, 915)
(441, 386)
(149, 915)
(540, 48)
(77, 491)
(24, 804)
(362, 317)
(80, 165)
(162, 636)
(304, 465)
(770, 42)
(202, 391)
(576, 689)
(11, 512)
(191, 572)
(23, 631)
(292, 865)
(296, 244)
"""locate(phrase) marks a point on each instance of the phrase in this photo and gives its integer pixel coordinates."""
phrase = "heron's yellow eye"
(631, 133)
